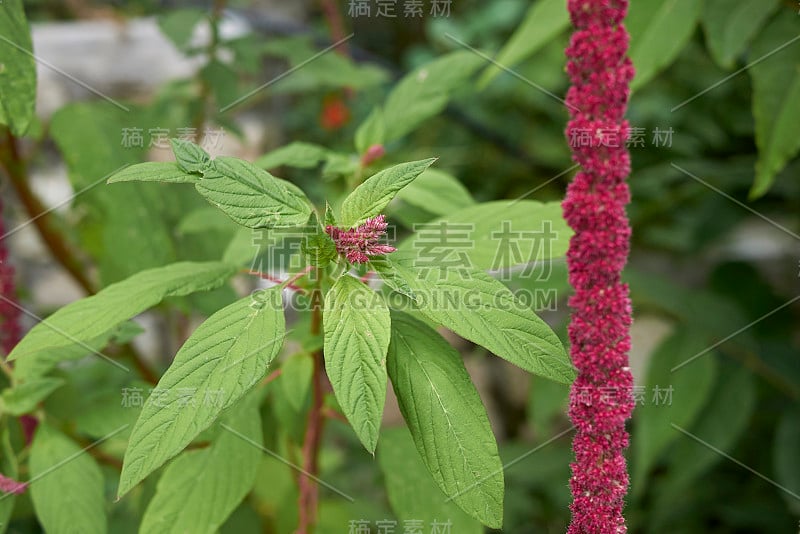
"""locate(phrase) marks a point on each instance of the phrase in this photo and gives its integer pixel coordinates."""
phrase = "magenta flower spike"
(594, 207)
(359, 243)
(9, 313)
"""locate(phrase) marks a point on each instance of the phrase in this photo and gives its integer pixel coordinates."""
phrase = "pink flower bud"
(373, 153)
(9, 485)
(359, 243)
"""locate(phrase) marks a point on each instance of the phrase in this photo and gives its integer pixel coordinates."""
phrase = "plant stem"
(211, 53)
(14, 166)
(288, 283)
(271, 377)
(6, 369)
(308, 489)
(335, 24)
(138, 361)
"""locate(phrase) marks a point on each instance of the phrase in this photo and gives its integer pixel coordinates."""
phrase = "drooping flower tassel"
(600, 399)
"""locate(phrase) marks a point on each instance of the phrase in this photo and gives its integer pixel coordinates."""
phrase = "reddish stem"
(14, 166)
(334, 19)
(271, 377)
(308, 489)
(288, 283)
(330, 413)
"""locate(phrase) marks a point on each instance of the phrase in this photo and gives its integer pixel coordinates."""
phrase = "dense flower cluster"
(594, 207)
(359, 243)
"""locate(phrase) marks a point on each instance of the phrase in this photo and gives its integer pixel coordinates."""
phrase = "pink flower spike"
(9, 485)
(10, 329)
(600, 398)
(359, 243)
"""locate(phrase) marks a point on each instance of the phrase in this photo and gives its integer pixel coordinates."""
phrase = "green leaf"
(35, 366)
(357, 327)
(241, 250)
(125, 228)
(226, 356)
(690, 387)
(275, 492)
(17, 69)
(66, 485)
(223, 81)
(388, 273)
(547, 405)
(786, 445)
(178, 25)
(731, 24)
(659, 31)
(9, 468)
(206, 219)
(105, 413)
(319, 249)
(326, 71)
(153, 171)
(201, 488)
(437, 192)
(317, 246)
(253, 197)
(86, 319)
(371, 131)
(447, 419)
(495, 236)
(296, 373)
(23, 398)
(339, 165)
(722, 421)
(715, 315)
(298, 154)
(776, 99)
(425, 91)
(190, 157)
(412, 493)
(369, 198)
(481, 309)
(543, 22)
(330, 217)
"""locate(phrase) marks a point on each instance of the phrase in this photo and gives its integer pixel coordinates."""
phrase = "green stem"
(7, 369)
(211, 54)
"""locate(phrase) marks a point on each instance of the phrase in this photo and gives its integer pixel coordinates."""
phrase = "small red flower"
(359, 243)
(335, 113)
